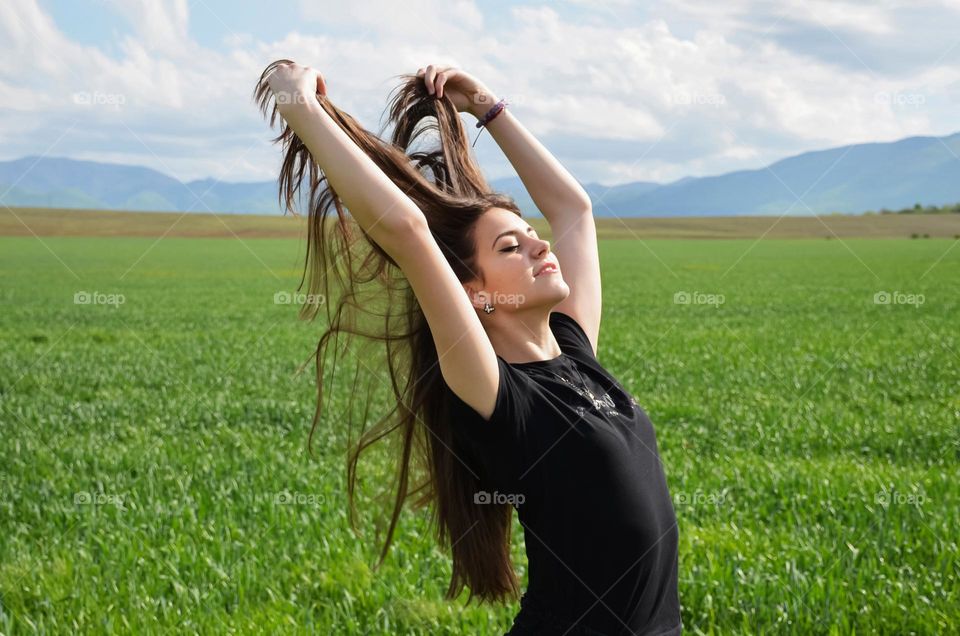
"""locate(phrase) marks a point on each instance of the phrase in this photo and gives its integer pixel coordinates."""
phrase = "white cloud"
(412, 19)
(160, 26)
(712, 87)
(871, 17)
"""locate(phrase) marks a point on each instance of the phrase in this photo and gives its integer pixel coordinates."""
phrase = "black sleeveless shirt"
(577, 457)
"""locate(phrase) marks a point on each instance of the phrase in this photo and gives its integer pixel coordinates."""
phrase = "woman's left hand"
(294, 84)
(466, 92)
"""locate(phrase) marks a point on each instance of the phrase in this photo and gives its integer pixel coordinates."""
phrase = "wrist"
(297, 103)
(482, 101)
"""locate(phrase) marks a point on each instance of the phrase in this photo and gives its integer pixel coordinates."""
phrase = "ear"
(477, 296)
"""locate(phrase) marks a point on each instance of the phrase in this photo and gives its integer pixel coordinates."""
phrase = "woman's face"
(511, 255)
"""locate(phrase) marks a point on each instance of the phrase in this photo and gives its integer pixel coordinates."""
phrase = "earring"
(487, 307)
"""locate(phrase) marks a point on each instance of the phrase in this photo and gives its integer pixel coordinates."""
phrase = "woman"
(491, 340)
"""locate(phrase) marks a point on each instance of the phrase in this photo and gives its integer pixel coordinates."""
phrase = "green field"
(155, 476)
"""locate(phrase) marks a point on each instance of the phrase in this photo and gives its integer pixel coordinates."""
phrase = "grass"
(155, 476)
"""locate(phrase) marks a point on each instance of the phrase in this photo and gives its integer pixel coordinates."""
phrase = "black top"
(581, 467)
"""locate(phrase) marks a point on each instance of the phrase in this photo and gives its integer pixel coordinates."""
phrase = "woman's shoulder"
(570, 335)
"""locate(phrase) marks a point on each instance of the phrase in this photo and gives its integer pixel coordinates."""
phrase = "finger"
(431, 74)
(420, 72)
(441, 80)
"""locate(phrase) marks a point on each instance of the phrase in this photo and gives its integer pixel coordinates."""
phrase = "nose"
(544, 248)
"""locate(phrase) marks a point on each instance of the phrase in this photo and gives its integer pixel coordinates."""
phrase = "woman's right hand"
(466, 92)
(293, 84)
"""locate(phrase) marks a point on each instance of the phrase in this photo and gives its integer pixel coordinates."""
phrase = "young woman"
(490, 339)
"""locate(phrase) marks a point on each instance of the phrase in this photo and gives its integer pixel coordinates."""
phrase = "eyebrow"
(508, 232)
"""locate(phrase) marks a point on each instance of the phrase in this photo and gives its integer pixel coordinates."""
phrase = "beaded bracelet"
(495, 110)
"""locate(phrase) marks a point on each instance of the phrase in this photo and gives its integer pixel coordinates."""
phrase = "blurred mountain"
(847, 179)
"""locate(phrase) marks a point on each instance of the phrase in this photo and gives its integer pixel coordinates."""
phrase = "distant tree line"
(953, 208)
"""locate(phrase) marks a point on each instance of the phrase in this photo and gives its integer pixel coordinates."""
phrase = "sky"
(619, 91)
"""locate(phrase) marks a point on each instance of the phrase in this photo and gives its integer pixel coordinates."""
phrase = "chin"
(536, 295)
(556, 293)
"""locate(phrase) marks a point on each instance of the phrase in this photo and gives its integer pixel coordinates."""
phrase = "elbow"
(411, 223)
(401, 230)
(582, 205)
(582, 208)
(575, 204)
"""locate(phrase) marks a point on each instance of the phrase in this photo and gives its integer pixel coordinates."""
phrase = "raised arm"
(375, 202)
(557, 194)
(467, 360)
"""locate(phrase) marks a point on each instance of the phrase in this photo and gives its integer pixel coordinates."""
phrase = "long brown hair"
(447, 185)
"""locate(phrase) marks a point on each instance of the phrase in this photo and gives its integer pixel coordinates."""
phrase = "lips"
(546, 267)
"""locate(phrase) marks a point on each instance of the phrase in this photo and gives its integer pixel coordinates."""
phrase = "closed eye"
(508, 232)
